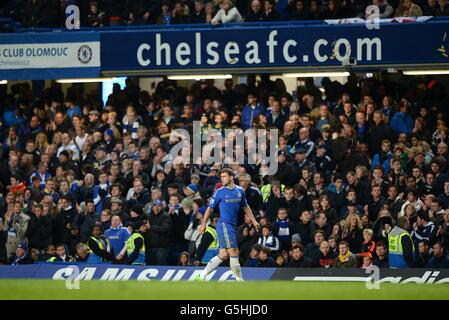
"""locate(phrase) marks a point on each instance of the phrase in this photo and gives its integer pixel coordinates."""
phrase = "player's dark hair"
(228, 171)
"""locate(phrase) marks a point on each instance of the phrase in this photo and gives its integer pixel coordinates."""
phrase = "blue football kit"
(229, 201)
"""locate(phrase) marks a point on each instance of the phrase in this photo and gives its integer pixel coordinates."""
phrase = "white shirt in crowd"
(233, 15)
(70, 147)
(80, 141)
(418, 204)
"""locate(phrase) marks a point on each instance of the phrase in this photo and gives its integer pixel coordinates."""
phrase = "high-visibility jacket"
(103, 244)
(395, 250)
(212, 250)
(140, 260)
(266, 191)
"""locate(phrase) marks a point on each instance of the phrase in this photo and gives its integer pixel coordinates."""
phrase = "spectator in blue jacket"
(42, 173)
(440, 259)
(117, 236)
(101, 192)
(402, 121)
(283, 229)
(72, 108)
(384, 157)
(251, 110)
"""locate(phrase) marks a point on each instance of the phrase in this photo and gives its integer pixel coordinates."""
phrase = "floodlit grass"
(183, 290)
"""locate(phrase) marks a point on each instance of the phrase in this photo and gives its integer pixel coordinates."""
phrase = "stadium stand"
(52, 13)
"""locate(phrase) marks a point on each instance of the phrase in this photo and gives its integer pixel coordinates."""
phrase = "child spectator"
(368, 246)
(268, 240)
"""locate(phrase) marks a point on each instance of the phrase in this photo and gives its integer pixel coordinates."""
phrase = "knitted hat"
(192, 187)
(23, 245)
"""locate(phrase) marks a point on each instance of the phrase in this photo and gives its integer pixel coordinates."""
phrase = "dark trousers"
(158, 256)
(174, 252)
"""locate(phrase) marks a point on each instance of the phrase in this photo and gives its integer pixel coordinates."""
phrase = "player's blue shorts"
(227, 238)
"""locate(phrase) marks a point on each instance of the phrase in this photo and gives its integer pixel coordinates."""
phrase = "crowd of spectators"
(52, 13)
(354, 160)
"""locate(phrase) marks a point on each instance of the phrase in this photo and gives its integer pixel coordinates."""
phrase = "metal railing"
(17, 27)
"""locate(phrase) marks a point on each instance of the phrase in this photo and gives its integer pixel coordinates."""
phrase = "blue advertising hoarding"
(111, 272)
(240, 47)
(282, 46)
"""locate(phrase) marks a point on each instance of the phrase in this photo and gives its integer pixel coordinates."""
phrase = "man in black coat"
(180, 218)
(255, 12)
(138, 12)
(293, 206)
(274, 202)
(253, 196)
(265, 261)
(65, 161)
(340, 147)
(322, 224)
(375, 204)
(286, 172)
(159, 235)
(304, 227)
(270, 13)
(423, 256)
(381, 259)
(394, 202)
(362, 188)
(87, 221)
(326, 257)
(277, 117)
(298, 259)
(74, 239)
(141, 196)
(178, 15)
(67, 216)
(86, 191)
(378, 132)
(354, 158)
(40, 229)
(198, 15)
(313, 249)
(246, 238)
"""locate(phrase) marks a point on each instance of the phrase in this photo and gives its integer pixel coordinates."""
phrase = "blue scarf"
(284, 231)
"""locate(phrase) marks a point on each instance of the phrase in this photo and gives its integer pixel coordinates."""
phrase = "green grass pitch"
(183, 290)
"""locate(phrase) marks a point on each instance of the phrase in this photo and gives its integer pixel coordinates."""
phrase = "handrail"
(14, 25)
(205, 26)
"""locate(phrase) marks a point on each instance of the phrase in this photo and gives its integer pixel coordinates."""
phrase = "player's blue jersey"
(229, 202)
